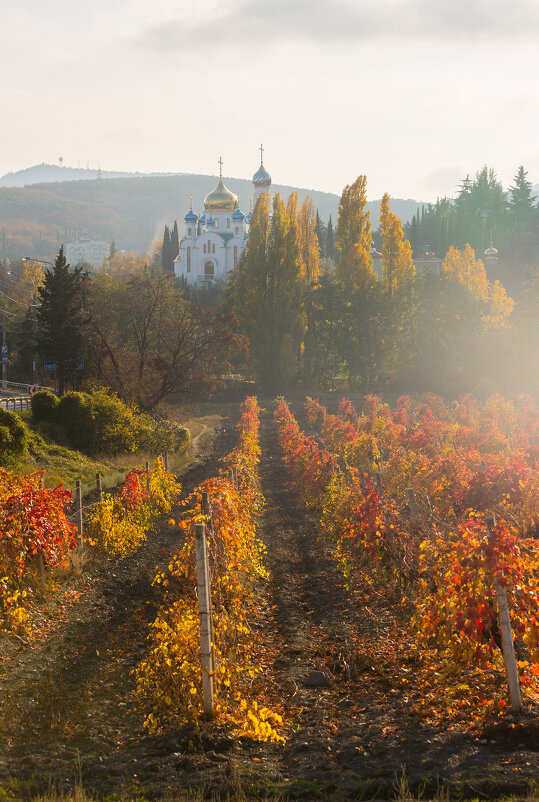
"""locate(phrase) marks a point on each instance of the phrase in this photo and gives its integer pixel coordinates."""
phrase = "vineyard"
(314, 610)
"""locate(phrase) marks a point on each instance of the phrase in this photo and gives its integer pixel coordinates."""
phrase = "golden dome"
(220, 200)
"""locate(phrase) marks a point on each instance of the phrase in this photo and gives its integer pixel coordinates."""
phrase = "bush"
(75, 412)
(116, 426)
(159, 436)
(44, 405)
(13, 435)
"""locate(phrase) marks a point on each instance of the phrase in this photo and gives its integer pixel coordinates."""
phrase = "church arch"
(209, 269)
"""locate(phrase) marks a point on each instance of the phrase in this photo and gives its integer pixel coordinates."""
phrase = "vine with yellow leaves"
(169, 679)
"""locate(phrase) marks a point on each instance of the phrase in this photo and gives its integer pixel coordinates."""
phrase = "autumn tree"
(397, 263)
(469, 271)
(309, 248)
(354, 267)
(147, 343)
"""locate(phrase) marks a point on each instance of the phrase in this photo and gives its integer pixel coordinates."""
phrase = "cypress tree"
(165, 252)
(174, 245)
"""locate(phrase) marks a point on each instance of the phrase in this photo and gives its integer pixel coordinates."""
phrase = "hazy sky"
(414, 93)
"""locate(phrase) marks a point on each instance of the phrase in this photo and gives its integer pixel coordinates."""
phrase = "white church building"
(212, 244)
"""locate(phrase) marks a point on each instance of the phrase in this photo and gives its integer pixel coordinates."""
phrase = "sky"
(415, 94)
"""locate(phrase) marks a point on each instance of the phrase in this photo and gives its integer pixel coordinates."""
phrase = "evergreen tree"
(166, 251)
(320, 234)
(521, 202)
(330, 240)
(174, 245)
(112, 249)
(60, 318)
(266, 292)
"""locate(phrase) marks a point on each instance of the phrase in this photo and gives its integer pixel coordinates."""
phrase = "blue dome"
(210, 221)
(238, 215)
(262, 178)
(203, 219)
(248, 218)
(190, 217)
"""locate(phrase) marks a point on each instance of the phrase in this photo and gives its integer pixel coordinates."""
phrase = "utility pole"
(4, 344)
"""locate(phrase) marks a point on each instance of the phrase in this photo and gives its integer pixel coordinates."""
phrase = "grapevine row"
(448, 574)
(169, 679)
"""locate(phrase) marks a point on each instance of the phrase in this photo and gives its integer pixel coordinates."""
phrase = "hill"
(132, 209)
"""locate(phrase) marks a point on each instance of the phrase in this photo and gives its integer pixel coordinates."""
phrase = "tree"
(174, 245)
(521, 202)
(147, 342)
(330, 240)
(309, 247)
(354, 237)
(397, 263)
(469, 271)
(60, 318)
(166, 250)
(266, 292)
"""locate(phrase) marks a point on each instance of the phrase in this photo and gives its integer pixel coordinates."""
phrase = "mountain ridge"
(130, 209)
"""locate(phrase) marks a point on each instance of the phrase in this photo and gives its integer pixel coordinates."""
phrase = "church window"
(235, 256)
(237, 230)
(189, 232)
(208, 269)
(213, 248)
(204, 248)
(188, 260)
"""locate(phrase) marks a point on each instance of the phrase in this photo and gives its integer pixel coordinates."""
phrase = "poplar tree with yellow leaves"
(397, 263)
(309, 247)
(354, 268)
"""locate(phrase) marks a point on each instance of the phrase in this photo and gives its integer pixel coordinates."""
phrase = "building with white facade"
(212, 244)
(87, 250)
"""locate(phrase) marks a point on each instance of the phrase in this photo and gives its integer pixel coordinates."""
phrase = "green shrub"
(44, 405)
(75, 412)
(13, 435)
(116, 427)
(158, 436)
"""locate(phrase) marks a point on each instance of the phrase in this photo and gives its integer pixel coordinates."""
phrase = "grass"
(62, 465)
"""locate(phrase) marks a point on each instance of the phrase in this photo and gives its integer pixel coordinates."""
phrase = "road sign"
(4, 354)
(50, 365)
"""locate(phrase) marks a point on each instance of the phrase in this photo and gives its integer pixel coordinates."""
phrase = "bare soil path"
(69, 702)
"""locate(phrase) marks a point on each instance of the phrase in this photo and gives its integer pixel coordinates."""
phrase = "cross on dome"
(220, 167)
(261, 154)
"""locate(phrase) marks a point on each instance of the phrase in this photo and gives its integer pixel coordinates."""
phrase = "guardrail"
(14, 403)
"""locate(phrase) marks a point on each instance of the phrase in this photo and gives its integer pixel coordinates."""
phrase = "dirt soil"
(67, 701)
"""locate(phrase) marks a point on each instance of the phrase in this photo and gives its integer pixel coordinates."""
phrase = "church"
(212, 244)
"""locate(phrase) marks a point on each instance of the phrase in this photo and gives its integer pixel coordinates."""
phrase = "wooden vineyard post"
(147, 476)
(204, 613)
(378, 480)
(412, 504)
(508, 648)
(78, 486)
(99, 487)
(206, 509)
